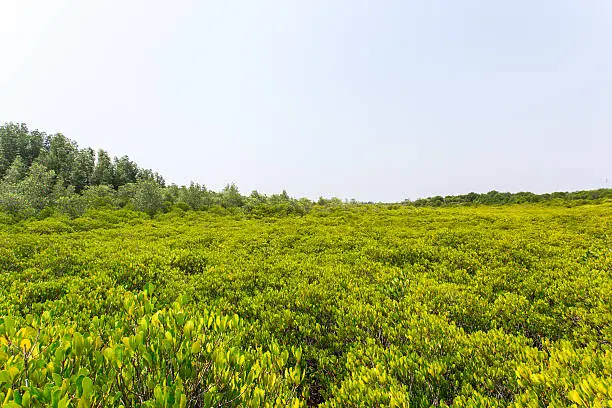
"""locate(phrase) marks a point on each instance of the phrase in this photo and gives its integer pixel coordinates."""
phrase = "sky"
(371, 100)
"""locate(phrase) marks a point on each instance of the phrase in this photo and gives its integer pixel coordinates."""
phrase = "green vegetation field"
(348, 306)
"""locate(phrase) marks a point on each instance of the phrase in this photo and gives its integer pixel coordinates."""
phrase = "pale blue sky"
(373, 100)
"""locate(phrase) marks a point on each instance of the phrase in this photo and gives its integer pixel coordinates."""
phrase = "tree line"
(499, 198)
(41, 174)
(20, 149)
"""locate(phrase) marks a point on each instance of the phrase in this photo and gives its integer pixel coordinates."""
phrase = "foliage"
(49, 172)
(40, 171)
(142, 357)
(55, 160)
(347, 305)
(147, 197)
(497, 198)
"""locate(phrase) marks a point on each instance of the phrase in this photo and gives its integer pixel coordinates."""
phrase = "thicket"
(345, 306)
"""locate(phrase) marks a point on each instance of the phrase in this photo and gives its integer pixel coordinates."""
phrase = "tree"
(148, 197)
(279, 198)
(13, 143)
(172, 195)
(146, 174)
(11, 200)
(195, 196)
(256, 198)
(83, 169)
(34, 146)
(61, 156)
(230, 196)
(16, 172)
(104, 172)
(126, 171)
(38, 187)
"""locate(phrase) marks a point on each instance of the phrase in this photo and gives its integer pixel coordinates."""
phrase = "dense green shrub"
(347, 305)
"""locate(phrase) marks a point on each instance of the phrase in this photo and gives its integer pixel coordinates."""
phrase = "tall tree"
(33, 147)
(126, 171)
(61, 156)
(13, 143)
(83, 169)
(147, 174)
(104, 172)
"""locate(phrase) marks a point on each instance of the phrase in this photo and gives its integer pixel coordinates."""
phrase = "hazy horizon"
(353, 99)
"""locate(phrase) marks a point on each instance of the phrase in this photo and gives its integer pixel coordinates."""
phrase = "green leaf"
(87, 385)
